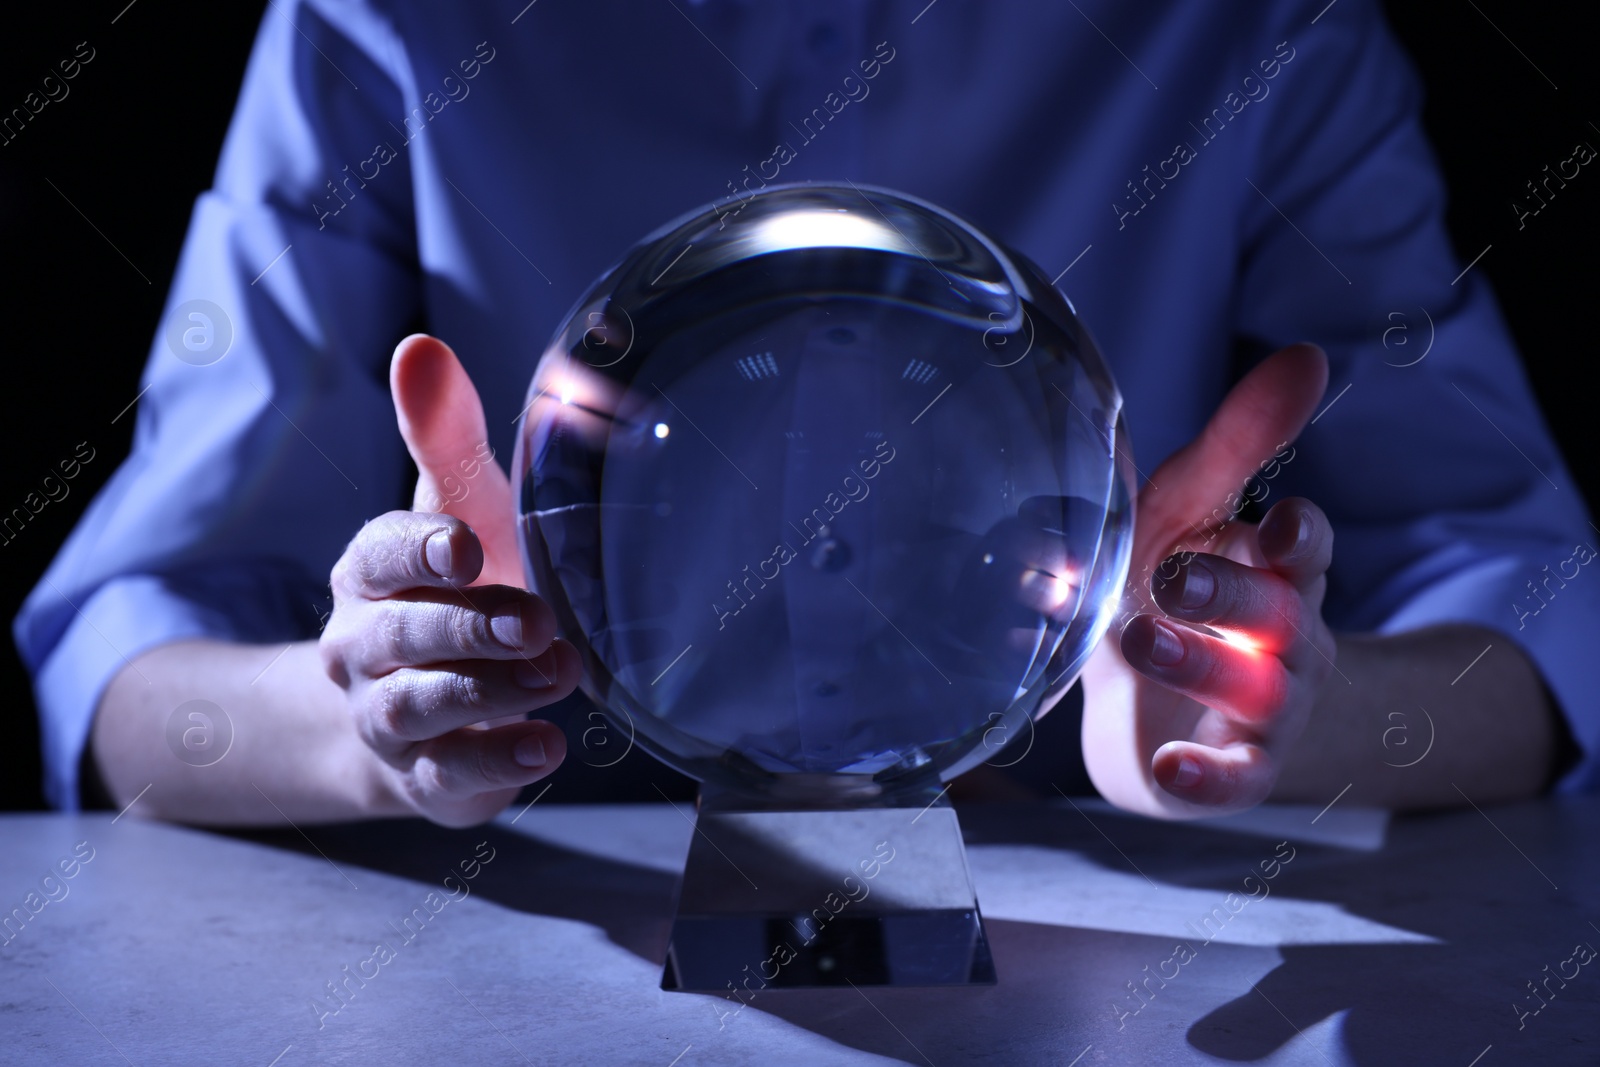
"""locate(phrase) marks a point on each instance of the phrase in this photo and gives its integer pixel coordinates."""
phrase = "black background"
(137, 139)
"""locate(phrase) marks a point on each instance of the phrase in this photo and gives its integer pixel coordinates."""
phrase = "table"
(539, 939)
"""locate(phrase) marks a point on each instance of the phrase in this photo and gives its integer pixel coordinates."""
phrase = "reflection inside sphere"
(824, 491)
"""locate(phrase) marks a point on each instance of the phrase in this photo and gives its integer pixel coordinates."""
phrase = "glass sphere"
(828, 489)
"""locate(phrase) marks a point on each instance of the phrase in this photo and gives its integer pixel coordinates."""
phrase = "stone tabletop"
(1287, 935)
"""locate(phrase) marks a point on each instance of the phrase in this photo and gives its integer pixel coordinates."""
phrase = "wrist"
(364, 785)
(371, 785)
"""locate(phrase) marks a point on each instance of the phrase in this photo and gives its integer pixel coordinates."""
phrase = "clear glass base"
(775, 899)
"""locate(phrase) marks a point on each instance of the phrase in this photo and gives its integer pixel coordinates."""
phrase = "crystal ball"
(830, 491)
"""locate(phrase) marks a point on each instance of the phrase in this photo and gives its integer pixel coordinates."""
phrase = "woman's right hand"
(439, 650)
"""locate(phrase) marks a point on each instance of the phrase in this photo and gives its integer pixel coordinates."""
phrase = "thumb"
(1265, 410)
(441, 420)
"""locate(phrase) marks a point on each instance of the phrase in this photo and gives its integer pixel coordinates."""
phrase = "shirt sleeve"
(264, 435)
(1448, 497)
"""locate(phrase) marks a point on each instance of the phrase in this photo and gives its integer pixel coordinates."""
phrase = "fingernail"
(437, 553)
(529, 676)
(1199, 586)
(506, 625)
(1166, 649)
(1302, 534)
(530, 751)
(1188, 773)
(1287, 544)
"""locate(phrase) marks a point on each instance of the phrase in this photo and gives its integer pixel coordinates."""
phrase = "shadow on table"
(1452, 877)
(633, 905)
(1495, 917)
(1498, 920)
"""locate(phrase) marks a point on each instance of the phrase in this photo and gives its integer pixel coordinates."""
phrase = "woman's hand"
(1190, 709)
(439, 650)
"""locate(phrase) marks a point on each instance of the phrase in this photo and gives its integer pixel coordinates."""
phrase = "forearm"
(295, 753)
(1401, 725)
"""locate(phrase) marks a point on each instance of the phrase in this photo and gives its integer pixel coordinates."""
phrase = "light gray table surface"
(1403, 941)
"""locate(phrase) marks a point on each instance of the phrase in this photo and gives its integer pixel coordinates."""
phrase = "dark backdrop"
(95, 197)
